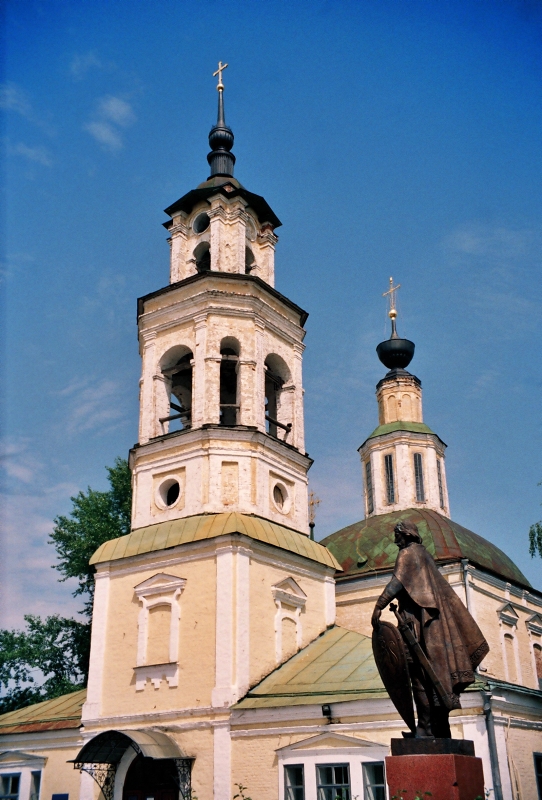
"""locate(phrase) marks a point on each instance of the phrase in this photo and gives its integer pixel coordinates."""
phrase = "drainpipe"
(492, 741)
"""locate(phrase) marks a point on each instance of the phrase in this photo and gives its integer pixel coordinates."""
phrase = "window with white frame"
(390, 479)
(158, 630)
(369, 487)
(333, 781)
(10, 785)
(440, 487)
(35, 783)
(374, 781)
(294, 782)
(418, 478)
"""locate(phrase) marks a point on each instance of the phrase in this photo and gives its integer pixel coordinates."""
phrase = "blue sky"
(390, 137)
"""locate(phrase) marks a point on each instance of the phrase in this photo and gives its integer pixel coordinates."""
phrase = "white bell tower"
(221, 398)
(402, 460)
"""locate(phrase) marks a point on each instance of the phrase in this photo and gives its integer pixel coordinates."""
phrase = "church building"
(231, 653)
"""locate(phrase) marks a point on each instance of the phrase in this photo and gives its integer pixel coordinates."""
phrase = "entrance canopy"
(109, 747)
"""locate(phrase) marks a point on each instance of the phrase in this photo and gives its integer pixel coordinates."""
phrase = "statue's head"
(406, 532)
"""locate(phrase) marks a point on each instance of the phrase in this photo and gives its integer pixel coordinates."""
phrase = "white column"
(298, 417)
(259, 389)
(146, 411)
(92, 707)
(242, 628)
(222, 761)
(222, 693)
(198, 374)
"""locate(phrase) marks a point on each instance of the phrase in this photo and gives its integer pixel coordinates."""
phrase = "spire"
(394, 353)
(220, 159)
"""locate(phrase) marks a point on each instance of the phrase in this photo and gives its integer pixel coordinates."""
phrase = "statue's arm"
(390, 592)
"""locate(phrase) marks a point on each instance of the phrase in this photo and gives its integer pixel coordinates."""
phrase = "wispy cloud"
(92, 405)
(105, 134)
(82, 63)
(116, 110)
(498, 263)
(112, 114)
(39, 155)
(28, 505)
(14, 98)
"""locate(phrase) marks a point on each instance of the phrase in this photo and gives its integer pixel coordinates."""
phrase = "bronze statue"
(438, 644)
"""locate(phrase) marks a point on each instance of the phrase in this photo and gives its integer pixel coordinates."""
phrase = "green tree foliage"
(51, 656)
(95, 518)
(46, 660)
(535, 538)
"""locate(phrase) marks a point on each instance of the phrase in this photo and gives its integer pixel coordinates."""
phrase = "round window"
(201, 223)
(169, 492)
(278, 497)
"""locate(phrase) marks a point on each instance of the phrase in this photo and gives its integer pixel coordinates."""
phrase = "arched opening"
(250, 263)
(537, 649)
(202, 254)
(276, 375)
(179, 383)
(229, 365)
(510, 656)
(151, 778)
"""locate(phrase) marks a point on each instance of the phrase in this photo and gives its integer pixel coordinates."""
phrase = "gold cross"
(314, 502)
(221, 66)
(391, 292)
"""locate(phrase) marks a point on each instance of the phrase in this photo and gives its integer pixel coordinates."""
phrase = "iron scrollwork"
(103, 774)
(184, 777)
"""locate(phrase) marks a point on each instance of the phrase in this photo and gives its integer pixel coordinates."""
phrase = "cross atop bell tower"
(221, 399)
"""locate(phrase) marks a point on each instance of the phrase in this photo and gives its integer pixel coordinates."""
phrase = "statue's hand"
(376, 617)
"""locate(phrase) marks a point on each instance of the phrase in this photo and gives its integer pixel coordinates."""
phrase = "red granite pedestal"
(448, 776)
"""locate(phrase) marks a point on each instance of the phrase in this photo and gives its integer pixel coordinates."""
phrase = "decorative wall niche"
(158, 630)
(290, 600)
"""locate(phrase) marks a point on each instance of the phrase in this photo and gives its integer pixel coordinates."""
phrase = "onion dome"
(220, 159)
(395, 353)
(367, 547)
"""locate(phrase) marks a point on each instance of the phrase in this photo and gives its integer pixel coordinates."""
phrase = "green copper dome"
(368, 547)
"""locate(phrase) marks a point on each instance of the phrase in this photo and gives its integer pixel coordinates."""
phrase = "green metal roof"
(164, 535)
(336, 667)
(410, 427)
(367, 546)
(61, 712)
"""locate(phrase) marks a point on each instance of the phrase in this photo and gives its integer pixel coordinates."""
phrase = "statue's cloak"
(445, 629)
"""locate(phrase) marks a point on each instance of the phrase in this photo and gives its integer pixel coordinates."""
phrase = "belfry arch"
(175, 408)
(278, 405)
(229, 369)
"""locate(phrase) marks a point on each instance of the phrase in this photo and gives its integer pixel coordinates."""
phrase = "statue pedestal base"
(442, 769)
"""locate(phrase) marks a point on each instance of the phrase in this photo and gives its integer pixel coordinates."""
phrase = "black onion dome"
(396, 353)
(221, 140)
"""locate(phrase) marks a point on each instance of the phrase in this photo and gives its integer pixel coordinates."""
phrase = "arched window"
(229, 364)
(510, 655)
(406, 407)
(179, 384)
(276, 375)
(537, 649)
(202, 254)
(392, 408)
(249, 260)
